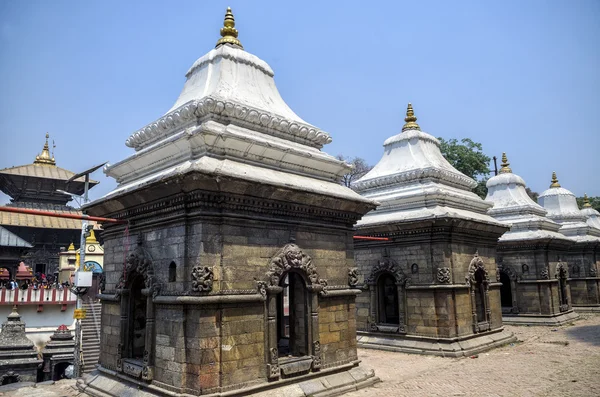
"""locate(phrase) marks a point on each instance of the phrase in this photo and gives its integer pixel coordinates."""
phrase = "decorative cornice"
(451, 178)
(199, 110)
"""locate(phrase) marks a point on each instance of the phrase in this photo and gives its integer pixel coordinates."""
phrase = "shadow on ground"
(586, 333)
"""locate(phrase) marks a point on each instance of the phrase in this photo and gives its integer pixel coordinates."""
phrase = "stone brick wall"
(337, 331)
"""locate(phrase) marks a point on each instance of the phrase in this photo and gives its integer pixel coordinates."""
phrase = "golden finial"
(44, 157)
(505, 169)
(71, 247)
(91, 239)
(554, 180)
(410, 120)
(229, 33)
(586, 201)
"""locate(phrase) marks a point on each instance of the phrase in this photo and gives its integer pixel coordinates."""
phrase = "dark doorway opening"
(292, 317)
(10, 379)
(137, 319)
(59, 370)
(388, 300)
(505, 291)
(480, 295)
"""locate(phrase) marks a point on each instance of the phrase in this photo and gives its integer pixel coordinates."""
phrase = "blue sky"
(518, 76)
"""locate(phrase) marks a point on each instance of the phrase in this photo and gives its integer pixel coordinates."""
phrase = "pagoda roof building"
(34, 238)
(513, 206)
(562, 208)
(593, 216)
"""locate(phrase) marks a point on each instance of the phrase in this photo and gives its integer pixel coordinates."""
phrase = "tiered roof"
(593, 216)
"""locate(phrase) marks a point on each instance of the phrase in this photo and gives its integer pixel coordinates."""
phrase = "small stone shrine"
(431, 288)
(19, 360)
(531, 256)
(584, 254)
(58, 353)
(593, 216)
(236, 279)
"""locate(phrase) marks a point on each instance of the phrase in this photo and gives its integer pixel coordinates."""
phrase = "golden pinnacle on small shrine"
(554, 180)
(229, 33)
(505, 169)
(586, 201)
(411, 119)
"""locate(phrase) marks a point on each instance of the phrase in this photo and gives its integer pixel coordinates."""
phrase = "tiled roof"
(40, 221)
(43, 171)
(8, 239)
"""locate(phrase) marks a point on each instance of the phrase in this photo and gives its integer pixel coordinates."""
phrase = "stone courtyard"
(547, 361)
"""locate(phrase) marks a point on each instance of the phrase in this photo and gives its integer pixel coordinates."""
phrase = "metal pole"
(495, 166)
(78, 331)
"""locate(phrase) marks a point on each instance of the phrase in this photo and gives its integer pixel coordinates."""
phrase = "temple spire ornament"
(229, 33)
(554, 180)
(44, 157)
(586, 201)
(411, 120)
(505, 169)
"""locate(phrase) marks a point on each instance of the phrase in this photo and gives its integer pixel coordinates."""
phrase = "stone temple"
(584, 254)
(432, 287)
(239, 247)
(532, 255)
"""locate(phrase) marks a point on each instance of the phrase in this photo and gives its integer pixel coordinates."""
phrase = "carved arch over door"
(387, 266)
(138, 264)
(288, 259)
(478, 281)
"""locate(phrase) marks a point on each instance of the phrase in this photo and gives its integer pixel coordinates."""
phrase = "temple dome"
(562, 208)
(414, 181)
(513, 206)
(593, 216)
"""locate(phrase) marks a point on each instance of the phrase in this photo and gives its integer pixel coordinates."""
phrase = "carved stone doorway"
(479, 281)
(292, 317)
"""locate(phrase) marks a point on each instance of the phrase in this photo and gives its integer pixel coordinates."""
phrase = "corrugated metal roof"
(43, 171)
(9, 239)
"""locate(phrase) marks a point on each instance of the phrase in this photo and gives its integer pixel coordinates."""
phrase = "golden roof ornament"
(505, 169)
(44, 157)
(554, 180)
(71, 247)
(410, 120)
(229, 33)
(91, 239)
(586, 201)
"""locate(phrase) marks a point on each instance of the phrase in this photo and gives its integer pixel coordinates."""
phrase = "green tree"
(468, 157)
(359, 169)
(533, 195)
(594, 202)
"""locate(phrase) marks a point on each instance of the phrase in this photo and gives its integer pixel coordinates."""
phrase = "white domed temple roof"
(413, 181)
(593, 216)
(514, 207)
(230, 120)
(562, 208)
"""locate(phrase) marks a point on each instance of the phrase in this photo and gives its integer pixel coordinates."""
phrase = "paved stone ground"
(561, 361)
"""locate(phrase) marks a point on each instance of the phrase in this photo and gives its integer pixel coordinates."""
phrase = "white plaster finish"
(514, 207)
(231, 121)
(413, 181)
(593, 217)
(562, 208)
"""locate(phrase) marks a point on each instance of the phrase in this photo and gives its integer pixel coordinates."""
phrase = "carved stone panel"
(202, 278)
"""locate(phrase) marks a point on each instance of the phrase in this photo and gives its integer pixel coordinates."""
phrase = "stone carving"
(475, 265)
(132, 369)
(291, 257)
(544, 274)
(576, 270)
(273, 367)
(316, 364)
(10, 374)
(146, 358)
(387, 266)
(562, 271)
(525, 268)
(138, 262)
(443, 275)
(414, 269)
(592, 271)
(262, 288)
(267, 122)
(509, 271)
(147, 373)
(353, 277)
(202, 278)
(120, 357)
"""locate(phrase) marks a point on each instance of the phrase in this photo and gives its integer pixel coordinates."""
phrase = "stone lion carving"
(291, 257)
(353, 277)
(202, 278)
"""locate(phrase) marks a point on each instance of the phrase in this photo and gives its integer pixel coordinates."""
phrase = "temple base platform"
(540, 319)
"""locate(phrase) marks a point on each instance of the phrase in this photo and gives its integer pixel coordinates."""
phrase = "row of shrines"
(243, 273)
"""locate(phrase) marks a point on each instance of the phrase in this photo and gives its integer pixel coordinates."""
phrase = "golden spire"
(71, 247)
(586, 201)
(505, 169)
(410, 120)
(44, 157)
(554, 180)
(229, 33)
(91, 239)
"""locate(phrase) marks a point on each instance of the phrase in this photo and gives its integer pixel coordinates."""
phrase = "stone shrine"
(531, 256)
(584, 254)
(431, 288)
(58, 354)
(236, 278)
(593, 216)
(19, 360)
